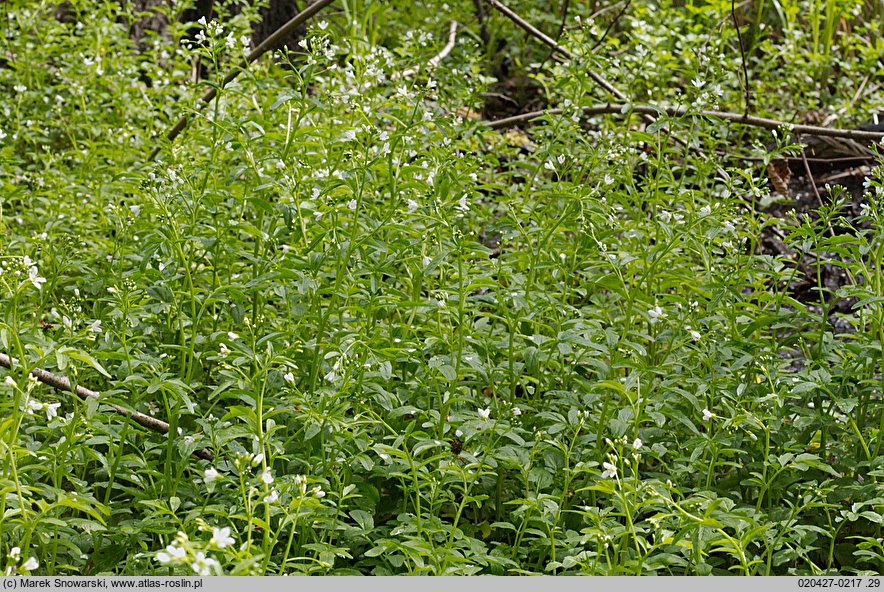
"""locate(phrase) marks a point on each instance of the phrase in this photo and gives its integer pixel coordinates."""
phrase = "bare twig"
(538, 34)
(613, 22)
(816, 190)
(434, 62)
(452, 37)
(63, 384)
(830, 161)
(564, 5)
(483, 26)
(748, 91)
(819, 200)
(654, 110)
(256, 53)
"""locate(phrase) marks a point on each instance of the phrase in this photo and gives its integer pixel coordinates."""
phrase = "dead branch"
(740, 118)
(434, 62)
(256, 53)
(610, 26)
(63, 384)
(748, 89)
(538, 34)
(452, 37)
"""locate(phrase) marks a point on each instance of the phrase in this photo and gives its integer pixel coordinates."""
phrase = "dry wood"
(537, 33)
(256, 53)
(63, 384)
(649, 112)
(434, 62)
(751, 120)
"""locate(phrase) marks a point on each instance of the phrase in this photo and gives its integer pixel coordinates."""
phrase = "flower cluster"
(50, 409)
(29, 404)
(182, 552)
(23, 268)
(12, 567)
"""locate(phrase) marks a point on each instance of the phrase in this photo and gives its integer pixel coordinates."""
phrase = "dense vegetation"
(413, 344)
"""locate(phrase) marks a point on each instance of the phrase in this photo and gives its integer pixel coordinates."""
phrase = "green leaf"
(84, 357)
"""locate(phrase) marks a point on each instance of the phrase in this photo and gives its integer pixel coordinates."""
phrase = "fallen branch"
(655, 110)
(256, 53)
(613, 22)
(63, 384)
(434, 62)
(452, 37)
(650, 112)
(538, 34)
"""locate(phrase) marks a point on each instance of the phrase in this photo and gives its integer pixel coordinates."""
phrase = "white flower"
(656, 314)
(172, 554)
(211, 475)
(34, 405)
(352, 204)
(412, 205)
(637, 443)
(221, 538)
(257, 459)
(610, 471)
(15, 553)
(463, 204)
(95, 327)
(9, 381)
(695, 335)
(203, 565)
(608, 179)
(707, 415)
(348, 136)
(485, 413)
(223, 351)
(272, 498)
(35, 278)
(31, 564)
(51, 409)
(318, 492)
(267, 476)
(232, 336)
(289, 378)
(516, 412)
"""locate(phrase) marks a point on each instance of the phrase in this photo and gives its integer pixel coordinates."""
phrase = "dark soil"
(512, 95)
(834, 170)
(832, 177)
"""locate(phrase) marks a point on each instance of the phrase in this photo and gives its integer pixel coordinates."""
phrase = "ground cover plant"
(385, 337)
